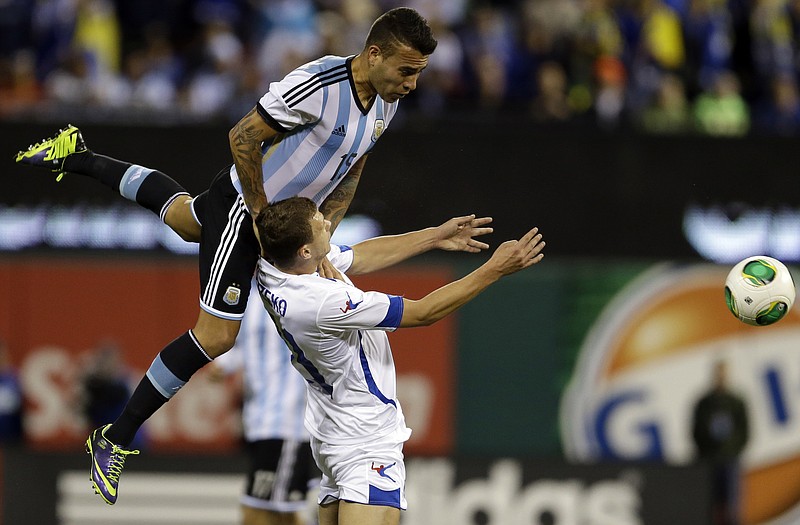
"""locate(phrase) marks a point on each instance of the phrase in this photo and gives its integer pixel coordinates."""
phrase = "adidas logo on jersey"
(340, 131)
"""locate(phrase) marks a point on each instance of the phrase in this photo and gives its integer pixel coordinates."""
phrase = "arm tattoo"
(245, 141)
(336, 204)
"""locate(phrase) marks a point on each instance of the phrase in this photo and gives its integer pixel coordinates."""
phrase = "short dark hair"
(285, 226)
(401, 25)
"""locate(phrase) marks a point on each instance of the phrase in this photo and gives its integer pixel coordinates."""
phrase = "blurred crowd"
(720, 67)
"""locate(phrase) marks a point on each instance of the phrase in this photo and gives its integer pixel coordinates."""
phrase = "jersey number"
(347, 160)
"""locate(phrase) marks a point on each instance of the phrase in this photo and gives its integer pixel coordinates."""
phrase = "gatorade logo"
(648, 358)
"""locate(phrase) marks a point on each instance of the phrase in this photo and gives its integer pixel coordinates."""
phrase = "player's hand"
(458, 234)
(327, 270)
(513, 256)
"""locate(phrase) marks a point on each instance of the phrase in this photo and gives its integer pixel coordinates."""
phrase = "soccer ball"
(759, 290)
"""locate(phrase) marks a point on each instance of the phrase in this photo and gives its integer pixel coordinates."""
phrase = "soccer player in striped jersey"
(309, 135)
(281, 467)
(337, 335)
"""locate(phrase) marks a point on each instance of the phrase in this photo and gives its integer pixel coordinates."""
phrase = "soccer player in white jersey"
(337, 335)
(281, 468)
(309, 135)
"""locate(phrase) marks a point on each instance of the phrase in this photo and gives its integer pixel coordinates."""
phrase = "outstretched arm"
(510, 257)
(457, 234)
(246, 139)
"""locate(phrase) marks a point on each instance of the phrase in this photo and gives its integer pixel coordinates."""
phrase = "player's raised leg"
(66, 152)
(228, 255)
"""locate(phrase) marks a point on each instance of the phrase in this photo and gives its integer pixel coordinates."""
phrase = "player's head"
(293, 230)
(397, 50)
(398, 27)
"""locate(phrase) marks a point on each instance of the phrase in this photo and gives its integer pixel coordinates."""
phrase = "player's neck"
(299, 267)
(364, 89)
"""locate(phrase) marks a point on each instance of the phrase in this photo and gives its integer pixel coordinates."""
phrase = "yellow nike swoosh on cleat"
(61, 148)
(110, 488)
(97, 491)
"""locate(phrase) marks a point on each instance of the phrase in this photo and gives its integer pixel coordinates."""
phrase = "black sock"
(150, 189)
(184, 356)
(156, 192)
(105, 169)
(143, 403)
(170, 370)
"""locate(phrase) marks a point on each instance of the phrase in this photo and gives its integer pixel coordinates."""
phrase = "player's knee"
(218, 343)
(215, 335)
(180, 218)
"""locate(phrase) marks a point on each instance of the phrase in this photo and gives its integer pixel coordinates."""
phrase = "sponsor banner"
(523, 492)
(55, 314)
(442, 490)
(647, 360)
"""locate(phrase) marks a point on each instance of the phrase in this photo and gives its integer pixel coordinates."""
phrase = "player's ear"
(373, 53)
(304, 252)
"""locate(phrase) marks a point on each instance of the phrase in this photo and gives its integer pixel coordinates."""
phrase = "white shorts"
(369, 473)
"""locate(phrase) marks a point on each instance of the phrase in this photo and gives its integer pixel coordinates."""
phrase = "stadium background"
(615, 196)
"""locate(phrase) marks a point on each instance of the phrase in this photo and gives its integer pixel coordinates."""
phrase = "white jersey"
(337, 335)
(324, 130)
(274, 393)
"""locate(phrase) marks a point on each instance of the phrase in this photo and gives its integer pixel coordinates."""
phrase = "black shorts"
(229, 249)
(281, 472)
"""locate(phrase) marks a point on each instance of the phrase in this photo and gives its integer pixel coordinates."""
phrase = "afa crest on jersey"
(232, 295)
(377, 131)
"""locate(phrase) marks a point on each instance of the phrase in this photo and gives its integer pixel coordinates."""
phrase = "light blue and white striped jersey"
(274, 392)
(324, 129)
